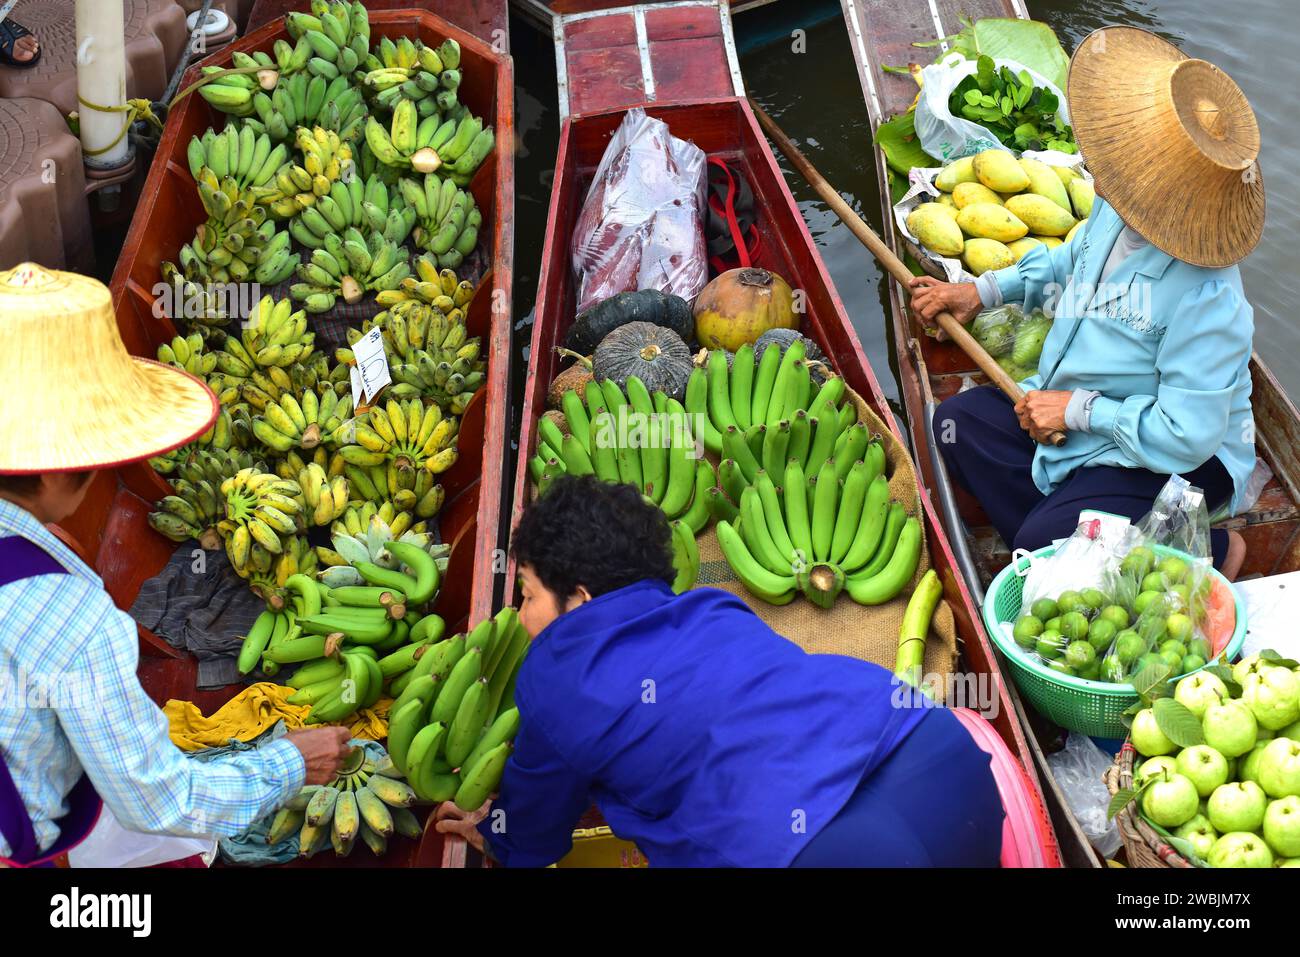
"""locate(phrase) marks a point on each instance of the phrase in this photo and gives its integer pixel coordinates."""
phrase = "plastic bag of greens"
(1068, 619)
(1168, 597)
(1012, 338)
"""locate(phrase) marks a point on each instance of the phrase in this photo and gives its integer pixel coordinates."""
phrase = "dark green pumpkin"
(647, 305)
(655, 354)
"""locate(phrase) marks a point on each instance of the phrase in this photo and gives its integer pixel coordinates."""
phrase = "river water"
(811, 88)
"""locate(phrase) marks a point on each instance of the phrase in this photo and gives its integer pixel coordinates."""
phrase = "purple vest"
(21, 559)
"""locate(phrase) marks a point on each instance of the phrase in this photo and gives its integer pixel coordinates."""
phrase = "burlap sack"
(847, 628)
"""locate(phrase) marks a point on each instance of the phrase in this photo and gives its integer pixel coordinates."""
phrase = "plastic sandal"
(10, 34)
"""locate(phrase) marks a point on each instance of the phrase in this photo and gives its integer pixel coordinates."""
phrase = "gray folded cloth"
(198, 604)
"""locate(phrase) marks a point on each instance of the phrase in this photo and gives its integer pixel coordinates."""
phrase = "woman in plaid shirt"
(75, 724)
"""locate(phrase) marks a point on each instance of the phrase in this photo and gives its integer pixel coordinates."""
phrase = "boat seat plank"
(684, 67)
(599, 33)
(682, 23)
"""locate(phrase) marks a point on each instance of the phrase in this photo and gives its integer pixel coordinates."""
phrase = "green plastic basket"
(1088, 707)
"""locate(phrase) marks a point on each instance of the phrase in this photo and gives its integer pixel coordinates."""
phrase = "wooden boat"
(542, 15)
(490, 22)
(110, 530)
(882, 34)
(707, 106)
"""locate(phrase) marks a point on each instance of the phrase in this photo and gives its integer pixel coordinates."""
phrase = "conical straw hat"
(1172, 144)
(75, 399)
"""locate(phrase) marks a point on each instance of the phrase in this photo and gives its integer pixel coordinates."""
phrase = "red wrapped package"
(642, 224)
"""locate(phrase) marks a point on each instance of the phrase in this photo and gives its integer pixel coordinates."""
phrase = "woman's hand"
(450, 819)
(323, 751)
(932, 296)
(1042, 412)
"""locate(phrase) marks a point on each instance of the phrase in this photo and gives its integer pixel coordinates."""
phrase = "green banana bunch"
(310, 101)
(273, 336)
(273, 585)
(373, 811)
(187, 353)
(191, 511)
(453, 718)
(392, 444)
(363, 534)
(356, 266)
(233, 92)
(262, 511)
(221, 437)
(448, 220)
(301, 421)
(237, 243)
(199, 307)
(802, 500)
(426, 76)
(238, 151)
(338, 35)
(365, 204)
(326, 159)
(648, 441)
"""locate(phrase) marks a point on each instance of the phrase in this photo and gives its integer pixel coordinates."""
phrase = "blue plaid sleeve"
(121, 739)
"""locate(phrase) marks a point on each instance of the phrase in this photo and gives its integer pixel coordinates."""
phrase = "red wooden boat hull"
(728, 127)
(110, 529)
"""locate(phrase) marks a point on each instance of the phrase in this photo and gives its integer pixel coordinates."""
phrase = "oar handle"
(893, 265)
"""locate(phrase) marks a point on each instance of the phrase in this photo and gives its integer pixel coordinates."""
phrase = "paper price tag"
(370, 374)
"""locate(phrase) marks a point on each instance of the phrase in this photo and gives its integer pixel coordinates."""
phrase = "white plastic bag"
(112, 845)
(1078, 769)
(949, 137)
(642, 222)
(921, 189)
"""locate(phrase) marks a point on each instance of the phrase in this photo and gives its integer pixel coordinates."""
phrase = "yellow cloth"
(252, 711)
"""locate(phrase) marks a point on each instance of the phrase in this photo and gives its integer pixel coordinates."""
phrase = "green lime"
(1079, 655)
(1149, 659)
(1074, 625)
(1092, 672)
(1061, 666)
(1138, 562)
(1199, 646)
(1144, 600)
(1173, 646)
(1117, 615)
(1155, 581)
(1173, 659)
(1112, 669)
(1027, 630)
(1129, 647)
(1095, 598)
(1181, 595)
(1101, 633)
(1050, 646)
(1192, 663)
(1179, 626)
(1052, 624)
(1152, 628)
(1044, 609)
(1174, 569)
(1069, 601)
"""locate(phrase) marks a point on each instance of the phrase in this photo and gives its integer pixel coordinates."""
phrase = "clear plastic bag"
(1173, 597)
(1070, 612)
(1078, 769)
(642, 223)
(1012, 338)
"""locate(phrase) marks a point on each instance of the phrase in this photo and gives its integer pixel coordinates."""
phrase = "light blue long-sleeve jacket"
(1166, 343)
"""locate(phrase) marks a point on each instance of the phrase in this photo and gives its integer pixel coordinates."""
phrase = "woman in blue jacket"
(1147, 366)
(701, 734)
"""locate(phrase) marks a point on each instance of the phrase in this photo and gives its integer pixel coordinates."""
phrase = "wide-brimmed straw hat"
(75, 399)
(1172, 144)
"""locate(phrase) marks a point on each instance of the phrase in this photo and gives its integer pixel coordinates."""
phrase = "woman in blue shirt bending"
(1147, 366)
(701, 734)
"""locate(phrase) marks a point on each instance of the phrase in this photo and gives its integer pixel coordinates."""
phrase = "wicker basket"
(1142, 844)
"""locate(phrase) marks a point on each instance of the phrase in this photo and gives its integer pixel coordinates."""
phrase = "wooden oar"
(886, 257)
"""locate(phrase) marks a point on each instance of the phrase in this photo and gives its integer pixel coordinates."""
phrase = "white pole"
(101, 79)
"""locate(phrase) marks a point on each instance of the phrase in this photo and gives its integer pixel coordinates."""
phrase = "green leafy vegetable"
(1021, 115)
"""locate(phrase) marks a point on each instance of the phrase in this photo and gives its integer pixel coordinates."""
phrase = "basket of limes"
(1072, 656)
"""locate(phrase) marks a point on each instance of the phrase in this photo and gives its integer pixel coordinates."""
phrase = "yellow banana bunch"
(263, 511)
(301, 421)
(273, 337)
(405, 437)
(427, 76)
(326, 160)
(356, 519)
(221, 437)
(186, 352)
(324, 498)
(237, 243)
(442, 289)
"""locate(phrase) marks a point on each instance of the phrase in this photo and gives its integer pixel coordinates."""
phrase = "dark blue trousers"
(933, 803)
(991, 459)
